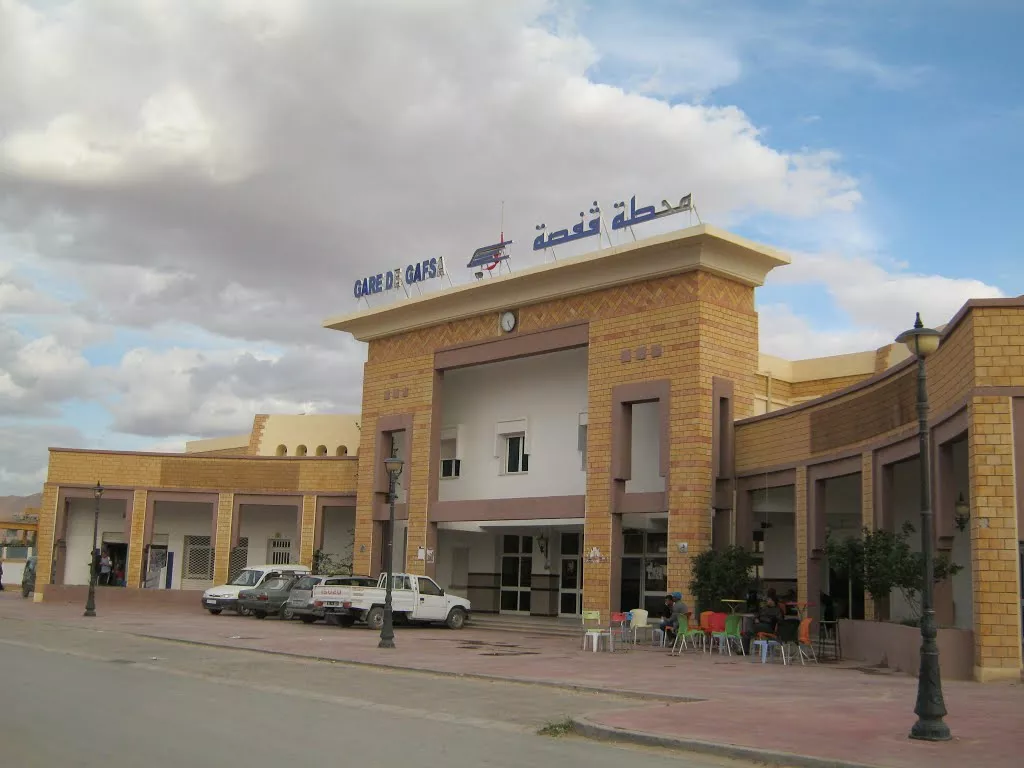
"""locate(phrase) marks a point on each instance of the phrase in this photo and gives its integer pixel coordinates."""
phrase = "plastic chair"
(637, 622)
(705, 627)
(592, 635)
(718, 624)
(733, 633)
(620, 622)
(685, 634)
(769, 644)
(804, 646)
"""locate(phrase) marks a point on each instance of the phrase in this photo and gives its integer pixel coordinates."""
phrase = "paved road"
(76, 697)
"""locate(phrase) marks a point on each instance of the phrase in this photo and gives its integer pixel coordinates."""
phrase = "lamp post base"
(930, 730)
(89, 612)
(387, 631)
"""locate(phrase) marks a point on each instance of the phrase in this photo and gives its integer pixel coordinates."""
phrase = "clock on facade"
(508, 321)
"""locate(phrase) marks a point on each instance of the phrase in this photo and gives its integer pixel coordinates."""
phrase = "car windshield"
(247, 578)
(307, 582)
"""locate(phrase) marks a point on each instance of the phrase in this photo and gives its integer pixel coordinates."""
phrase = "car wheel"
(286, 613)
(244, 612)
(375, 618)
(348, 621)
(260, 614)
(456, 618)
(307, 619)
(215, 611)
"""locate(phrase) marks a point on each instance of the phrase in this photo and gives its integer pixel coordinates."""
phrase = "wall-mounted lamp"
(961, 513)
(542, 545)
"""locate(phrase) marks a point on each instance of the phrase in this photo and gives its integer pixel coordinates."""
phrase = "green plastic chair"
(733, 633)
(684, 636)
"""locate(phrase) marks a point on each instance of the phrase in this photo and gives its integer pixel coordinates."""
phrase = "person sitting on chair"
(767, 621)
(675, 610)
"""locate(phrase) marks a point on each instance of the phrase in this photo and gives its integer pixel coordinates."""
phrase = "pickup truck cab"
(217, 599)
(414, 599)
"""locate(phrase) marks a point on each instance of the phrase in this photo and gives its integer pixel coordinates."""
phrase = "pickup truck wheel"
(456, 618)
(375, 618)
(307, 619)
(348, 621)
(260, 614)
(215, 611)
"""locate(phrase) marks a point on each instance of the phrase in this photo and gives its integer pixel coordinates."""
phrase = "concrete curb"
(555, 684)
(586, 727)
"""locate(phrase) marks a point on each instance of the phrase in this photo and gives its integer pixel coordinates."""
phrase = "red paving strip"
(828, 712)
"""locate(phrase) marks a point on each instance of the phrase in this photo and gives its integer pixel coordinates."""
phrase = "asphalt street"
(76, 697)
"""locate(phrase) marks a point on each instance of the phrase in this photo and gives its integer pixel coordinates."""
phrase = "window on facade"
(198, 558)
(450, 466)
(341, 450)
(282, 450)
(300, 451)
(321, 450)
(516, 458)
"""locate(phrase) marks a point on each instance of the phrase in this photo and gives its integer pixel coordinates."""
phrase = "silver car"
(300, 599)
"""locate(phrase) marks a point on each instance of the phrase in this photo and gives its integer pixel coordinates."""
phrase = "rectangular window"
(516, 458)
(450, 466)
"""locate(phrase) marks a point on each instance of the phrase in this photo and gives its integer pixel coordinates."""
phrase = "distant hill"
(13, 505)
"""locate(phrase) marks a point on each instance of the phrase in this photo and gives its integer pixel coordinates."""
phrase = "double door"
(516, 573)
(570, 574)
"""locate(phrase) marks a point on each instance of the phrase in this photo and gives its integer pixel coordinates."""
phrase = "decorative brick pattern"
(951, 369)
(804, 390)
(259, 423)
(800, 513)
(994, 536)
(307, 530)
(867, 513)
(222, 543)
(999, 342)
(45, 538)
(136, 542)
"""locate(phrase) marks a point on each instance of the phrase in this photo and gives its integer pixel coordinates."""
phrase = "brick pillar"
(46, 538)
(800, 513)
(994, 536)
(307, 530)
(140, 513)
(418, 485)
(222, 542)
(867, 514)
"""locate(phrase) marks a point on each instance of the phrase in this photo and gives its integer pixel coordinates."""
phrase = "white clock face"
(508, 322)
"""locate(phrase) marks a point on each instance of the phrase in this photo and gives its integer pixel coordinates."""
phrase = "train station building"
(574, 433)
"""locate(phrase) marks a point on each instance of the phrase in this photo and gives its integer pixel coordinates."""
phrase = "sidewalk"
(830, 714)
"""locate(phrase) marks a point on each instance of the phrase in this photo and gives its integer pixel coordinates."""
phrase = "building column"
(46, 538)
(307, 529)
(867, 514)
(223, 531)
(994, 537)
(139, 529)
(802, 550)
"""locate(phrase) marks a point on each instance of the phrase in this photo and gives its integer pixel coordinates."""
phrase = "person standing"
(105, 569)
(1, 575)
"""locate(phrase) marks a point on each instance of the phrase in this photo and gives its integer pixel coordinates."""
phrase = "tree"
(721, 574)
(884, 561)
(325, 564)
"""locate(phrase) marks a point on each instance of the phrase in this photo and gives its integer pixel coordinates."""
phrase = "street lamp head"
(393, 464)
(98, 490)
(920, 341)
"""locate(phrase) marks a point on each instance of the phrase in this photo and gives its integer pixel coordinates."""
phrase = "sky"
(188, 188)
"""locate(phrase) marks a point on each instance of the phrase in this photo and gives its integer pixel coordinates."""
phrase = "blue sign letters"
(428, 269)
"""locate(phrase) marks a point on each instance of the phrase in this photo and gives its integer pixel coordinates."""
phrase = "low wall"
(898, 647)
(122, 597)
(13, 570)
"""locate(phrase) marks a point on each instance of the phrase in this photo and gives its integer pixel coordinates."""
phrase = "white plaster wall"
(550, 391)
(263, 522)
(176, 520)
(79, 534)
(482, 547)
(310, 430)
(339, 531)
(645, 454)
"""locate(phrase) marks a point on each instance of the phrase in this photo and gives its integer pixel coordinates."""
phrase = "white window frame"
(451, 461)
(524, 456)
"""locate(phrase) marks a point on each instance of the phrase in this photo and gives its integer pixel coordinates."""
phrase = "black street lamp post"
(930, 708)
(90, 602)
(387, 630)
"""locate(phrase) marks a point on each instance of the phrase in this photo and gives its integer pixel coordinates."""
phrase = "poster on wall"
(155, 567)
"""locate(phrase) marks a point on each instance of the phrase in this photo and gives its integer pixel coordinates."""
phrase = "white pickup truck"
(414, 599)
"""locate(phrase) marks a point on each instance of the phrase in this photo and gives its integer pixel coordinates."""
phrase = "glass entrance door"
(516, 572)
(644, 569)
(570, 570)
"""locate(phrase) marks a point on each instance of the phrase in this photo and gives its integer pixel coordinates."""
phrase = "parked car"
(300, 600)
(414, 599)
(225, 597)
(270, 598)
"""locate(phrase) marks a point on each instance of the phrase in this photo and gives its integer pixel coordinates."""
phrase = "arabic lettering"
(621, 221)
(580, 230)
